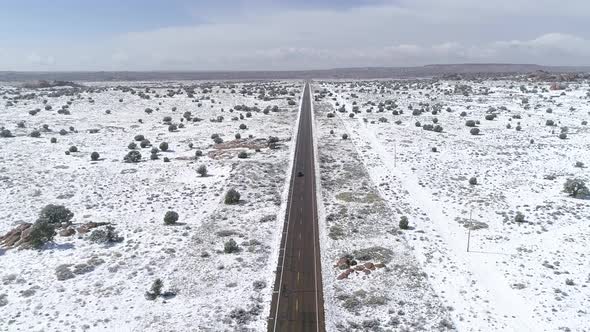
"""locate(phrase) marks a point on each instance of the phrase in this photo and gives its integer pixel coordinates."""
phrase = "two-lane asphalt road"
(297, 302)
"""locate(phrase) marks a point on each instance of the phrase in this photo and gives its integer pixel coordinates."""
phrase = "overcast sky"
(288, 34)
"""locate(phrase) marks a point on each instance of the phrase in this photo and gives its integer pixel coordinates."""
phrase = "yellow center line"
(297, 305)
(298, 278)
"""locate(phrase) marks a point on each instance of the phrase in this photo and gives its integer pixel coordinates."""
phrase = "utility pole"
(469, 230)
(395, 154)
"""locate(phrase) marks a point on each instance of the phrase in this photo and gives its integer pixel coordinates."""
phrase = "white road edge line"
(315, 274)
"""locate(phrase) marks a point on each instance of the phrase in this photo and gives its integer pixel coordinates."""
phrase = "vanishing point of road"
(298, 300)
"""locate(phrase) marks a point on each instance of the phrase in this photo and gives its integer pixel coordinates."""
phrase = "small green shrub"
(164, 146)
(170, 218)
(231, 247)
(404, 223)
(133, 156)
(202, 170)
(232, 196)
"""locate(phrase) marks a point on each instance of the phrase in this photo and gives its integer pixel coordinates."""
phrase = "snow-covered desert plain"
(528, 265)
(384, 150)
(85, 282)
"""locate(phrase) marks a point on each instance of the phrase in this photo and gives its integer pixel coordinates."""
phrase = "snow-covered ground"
(215, 291)
(358, 222)
(517, 276)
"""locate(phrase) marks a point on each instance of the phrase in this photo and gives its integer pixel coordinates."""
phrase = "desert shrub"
(5, 133)
(238, 136)
(154, 150)
(198, 153)
(35, 134)
(584, 123)
(416, 112)
(519, 217)
(473, 181)
(145, 143)
(55, 214)
(549, 123)
(470, 123)
(155, 290)
(20, 124)
(490, 117)
(575, 187)
(428, 127)
(344, 136)
(166, 159)
(190, 145)
(167, 119)
(149, 110)
(105, 236)
(243, 126)
(73, 148)
(579, 164)
(331, 131)
(139, 138)
(154, 156)
(218, 140)
(331, 115)
(53, 140)
(172, 128)
(41, 232)
(164, 146)
(170, 218)
(230, 247)
(463, 113)
(132, 146)
(202, 170)
(243, 155)
(474, 131)
(563, 136)
(518, 128)
(63, 132)
(418, 124)
(404, 223)
(435, 120)
(232, 196)
(438, 128)
(133, 156)
(94, 156)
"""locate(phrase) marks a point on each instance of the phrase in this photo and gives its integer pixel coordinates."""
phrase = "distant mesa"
(40, 84)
